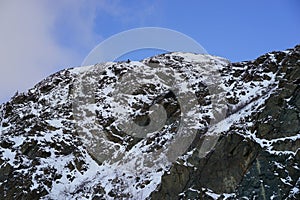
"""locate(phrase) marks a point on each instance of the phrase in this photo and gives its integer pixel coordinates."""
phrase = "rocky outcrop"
(259, 156)
(67, 137)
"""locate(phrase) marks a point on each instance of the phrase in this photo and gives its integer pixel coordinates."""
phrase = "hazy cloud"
(38, 37)
(28, 49)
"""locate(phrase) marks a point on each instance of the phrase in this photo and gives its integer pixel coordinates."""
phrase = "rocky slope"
(174, 126)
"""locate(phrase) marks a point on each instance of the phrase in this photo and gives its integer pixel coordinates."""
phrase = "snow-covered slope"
(177, 125)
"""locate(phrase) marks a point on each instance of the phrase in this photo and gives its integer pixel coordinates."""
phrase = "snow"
(267, 144)
(81, 69)
(136, 159)
(8, 155)
(18, 140)
(247, 110)
(196, 58)
(285, 181)
(295, 190)
(56, 123)
(117, 101)
(272, 57)
(214, 195)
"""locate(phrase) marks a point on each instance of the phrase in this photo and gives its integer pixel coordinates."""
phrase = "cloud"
(40, 37)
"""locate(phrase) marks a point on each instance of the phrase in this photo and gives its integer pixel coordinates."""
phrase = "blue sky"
(41, 37)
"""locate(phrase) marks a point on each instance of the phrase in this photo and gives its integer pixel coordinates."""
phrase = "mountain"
(173, 126)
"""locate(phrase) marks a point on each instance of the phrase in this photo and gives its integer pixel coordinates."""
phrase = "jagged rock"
(63, 139)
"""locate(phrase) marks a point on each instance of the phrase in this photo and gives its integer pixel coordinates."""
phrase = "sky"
(40, 37)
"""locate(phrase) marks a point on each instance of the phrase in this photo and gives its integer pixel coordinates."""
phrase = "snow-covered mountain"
(173, 126)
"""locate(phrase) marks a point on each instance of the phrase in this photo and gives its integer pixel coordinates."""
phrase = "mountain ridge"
(251, 120)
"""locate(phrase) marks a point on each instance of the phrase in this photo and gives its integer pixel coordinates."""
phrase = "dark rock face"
(255, 156)
(238, 165)
(274, 173)
(222, 170)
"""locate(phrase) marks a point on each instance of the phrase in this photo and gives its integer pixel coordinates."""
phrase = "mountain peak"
(173, 126)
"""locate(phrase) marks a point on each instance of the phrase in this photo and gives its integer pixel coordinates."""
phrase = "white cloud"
(30, 48)
(38, 37)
